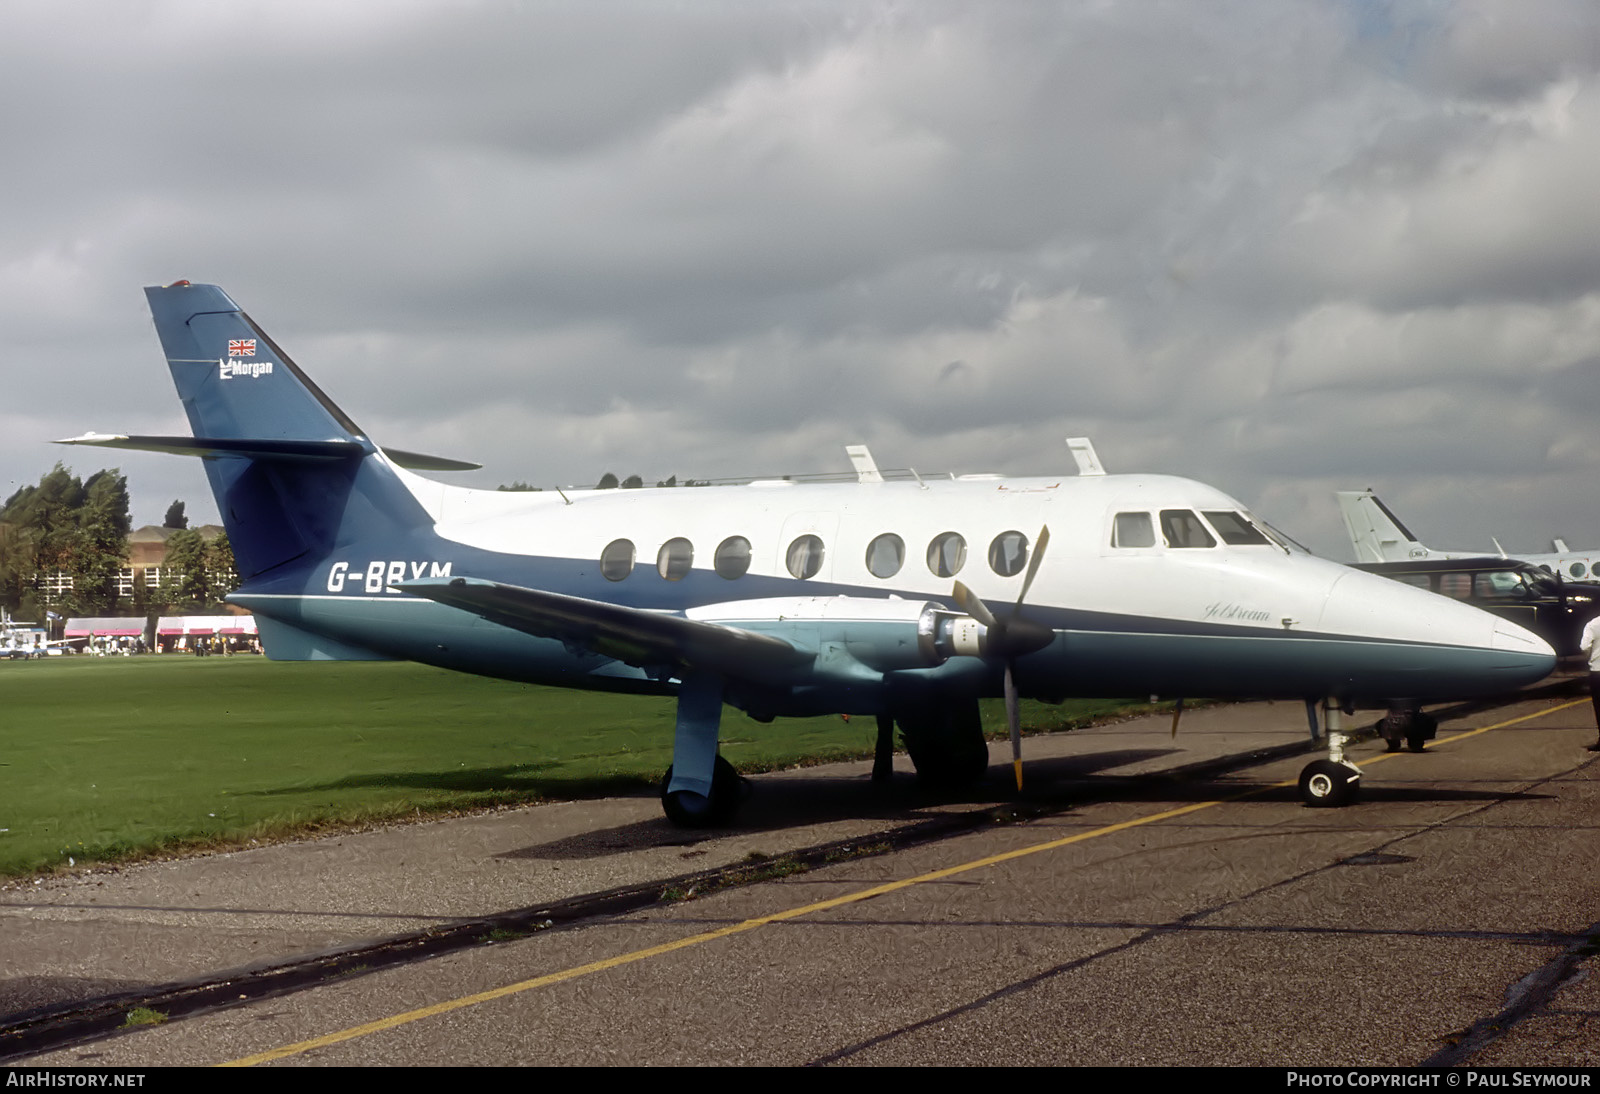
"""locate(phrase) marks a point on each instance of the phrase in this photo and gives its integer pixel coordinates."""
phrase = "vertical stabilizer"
(1376, 534)
(293, 476)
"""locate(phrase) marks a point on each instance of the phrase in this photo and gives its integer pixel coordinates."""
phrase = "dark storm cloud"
(1288, 247)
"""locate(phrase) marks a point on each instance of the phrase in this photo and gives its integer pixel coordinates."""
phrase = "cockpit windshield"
(1182, 528)
(1235, 528)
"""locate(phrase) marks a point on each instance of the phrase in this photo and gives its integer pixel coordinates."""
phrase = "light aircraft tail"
(293, 476)
(1376, 533)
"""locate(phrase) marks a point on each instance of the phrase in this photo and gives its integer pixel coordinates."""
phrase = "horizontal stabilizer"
(265, 448)
(416, 461)
(630, 635)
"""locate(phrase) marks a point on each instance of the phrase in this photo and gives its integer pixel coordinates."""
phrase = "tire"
(689, 810)
(1327, 785)
(945, 743)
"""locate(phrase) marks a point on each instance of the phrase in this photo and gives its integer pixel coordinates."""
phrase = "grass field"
(113, 758)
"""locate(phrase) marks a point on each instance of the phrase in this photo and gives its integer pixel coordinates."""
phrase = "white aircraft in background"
(1377, 535)
(906, 600)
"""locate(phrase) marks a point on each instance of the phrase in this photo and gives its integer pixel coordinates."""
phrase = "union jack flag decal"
(241, 347)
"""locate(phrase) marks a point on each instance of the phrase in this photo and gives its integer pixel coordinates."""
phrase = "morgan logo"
(380, 574)
(235, 370)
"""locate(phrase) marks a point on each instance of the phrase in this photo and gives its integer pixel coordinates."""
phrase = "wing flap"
(631, 635)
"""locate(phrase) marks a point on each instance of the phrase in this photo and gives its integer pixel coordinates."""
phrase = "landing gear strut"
(1335, 781)
(700, 789)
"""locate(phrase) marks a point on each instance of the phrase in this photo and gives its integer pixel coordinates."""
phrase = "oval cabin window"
(885, 555)
(616, 561)
(733, 557)
(947, 554)
(675, 559)
(1008, 554)
(804, 557)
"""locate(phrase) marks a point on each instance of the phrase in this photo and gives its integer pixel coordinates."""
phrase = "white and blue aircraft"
(907, 600)
(1377, 535)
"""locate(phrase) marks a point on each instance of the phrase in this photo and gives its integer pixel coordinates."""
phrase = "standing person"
(1590, 645)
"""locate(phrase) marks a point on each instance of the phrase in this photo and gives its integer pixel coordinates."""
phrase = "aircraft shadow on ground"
(529, 779)
(781, 801)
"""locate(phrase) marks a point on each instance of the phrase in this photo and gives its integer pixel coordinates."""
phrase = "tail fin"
(292, 474)
(1377, 534)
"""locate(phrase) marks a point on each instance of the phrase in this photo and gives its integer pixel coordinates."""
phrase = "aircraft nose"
(1434, 646)
(1510, 638)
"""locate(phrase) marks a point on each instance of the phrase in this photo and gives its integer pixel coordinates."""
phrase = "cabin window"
(1419, 581)
(885, 555)
(947, 554)
(733, 557)
(1235, 529)
(675, 559)
(804, 557)
(1458, 586)
(1008, 554)
(616, 561)
(1577, 569)
(1183, 529)
(1133, 530)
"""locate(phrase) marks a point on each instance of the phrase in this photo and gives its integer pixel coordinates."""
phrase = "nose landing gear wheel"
(1325, 784)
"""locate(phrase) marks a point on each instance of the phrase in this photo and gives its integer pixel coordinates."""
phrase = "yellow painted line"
(406, 1017)
(1483, 729)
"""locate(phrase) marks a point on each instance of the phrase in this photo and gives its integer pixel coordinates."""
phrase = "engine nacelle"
(885, 635)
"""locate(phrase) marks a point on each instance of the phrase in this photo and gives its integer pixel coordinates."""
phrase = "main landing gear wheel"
(1413, 727)
(945, 742)
(1325, 784)
(687, 809)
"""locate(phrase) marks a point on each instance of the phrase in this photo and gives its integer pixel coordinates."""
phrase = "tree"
(63, 524)
(102, 542)
(519, 486)
(221, 570)
(608, 481)
(175, 517)
(184, 585)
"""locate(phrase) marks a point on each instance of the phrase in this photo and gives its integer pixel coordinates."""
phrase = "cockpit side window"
(1235, 528)
(1183, 529)
(1133, 530)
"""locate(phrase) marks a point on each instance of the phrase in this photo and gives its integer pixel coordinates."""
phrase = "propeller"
(1011, 638)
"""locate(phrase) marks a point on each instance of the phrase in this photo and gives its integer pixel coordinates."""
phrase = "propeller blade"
(1177, 712)
(1033, 563)
(1014, 723)
(973, 606)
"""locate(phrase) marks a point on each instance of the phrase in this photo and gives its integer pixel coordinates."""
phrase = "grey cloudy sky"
(1282, 246)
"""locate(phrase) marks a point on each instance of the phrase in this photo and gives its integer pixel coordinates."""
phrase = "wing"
(630, 635)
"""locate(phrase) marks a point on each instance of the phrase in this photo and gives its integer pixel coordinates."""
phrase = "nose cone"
(1432, 647)
(1512, 639)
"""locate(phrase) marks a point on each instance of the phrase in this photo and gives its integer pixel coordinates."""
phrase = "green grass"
(116, 758)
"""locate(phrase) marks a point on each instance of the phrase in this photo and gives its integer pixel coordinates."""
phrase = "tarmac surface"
(1132, 915)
